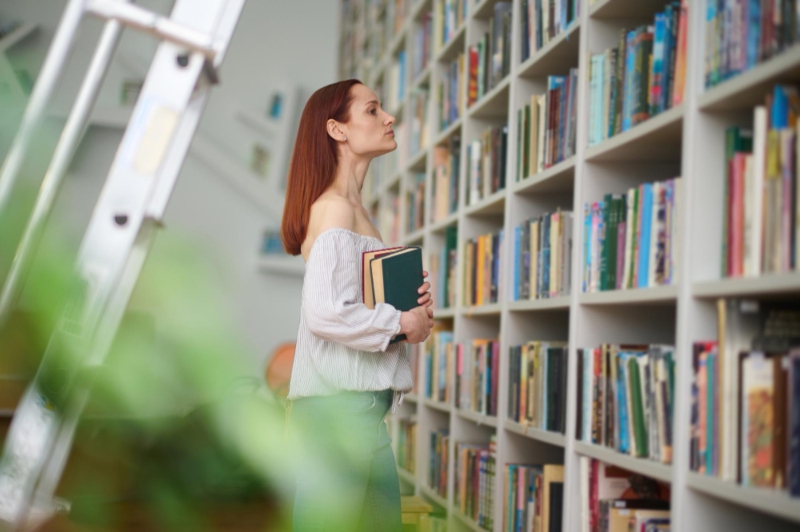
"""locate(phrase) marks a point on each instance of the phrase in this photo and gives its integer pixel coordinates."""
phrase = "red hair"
(314, 160)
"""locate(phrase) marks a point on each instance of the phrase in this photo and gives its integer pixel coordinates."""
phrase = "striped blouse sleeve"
(332, 305)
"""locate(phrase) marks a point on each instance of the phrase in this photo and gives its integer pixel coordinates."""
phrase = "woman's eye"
(373, 111)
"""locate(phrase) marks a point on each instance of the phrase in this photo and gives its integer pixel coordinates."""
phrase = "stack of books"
(443, 270)
(533, 497)
(446, 164)
(415, 203)
(642, 77)
(482, 272)
(761, 229)
(437, 466)
(546, 127)
(439, 360)
(615, 501)
(474, 481)
(626, 397)
(490, 58)
(537, 391)
(739, 35)
(631, 240)
(449, 16)
(746, 396)
(486, 167)
(422, 44)
(543, 257)
(451, 93)
(420, 135)
(543, 20)
(477, 376)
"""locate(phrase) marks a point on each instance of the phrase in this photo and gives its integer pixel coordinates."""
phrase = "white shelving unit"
(686, 141)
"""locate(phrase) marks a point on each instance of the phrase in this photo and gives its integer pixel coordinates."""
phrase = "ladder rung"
(160, 26)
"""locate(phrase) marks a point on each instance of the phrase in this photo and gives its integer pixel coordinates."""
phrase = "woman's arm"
(332, 305)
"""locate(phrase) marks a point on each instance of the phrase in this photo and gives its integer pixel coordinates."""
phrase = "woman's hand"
(416, 324)
(425, 300)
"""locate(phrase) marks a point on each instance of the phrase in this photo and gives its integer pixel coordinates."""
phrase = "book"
(395, 279)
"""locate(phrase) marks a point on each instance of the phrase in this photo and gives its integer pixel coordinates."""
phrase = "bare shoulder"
(328, 212)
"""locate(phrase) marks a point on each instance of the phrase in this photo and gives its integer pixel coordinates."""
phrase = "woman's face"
(369, 130)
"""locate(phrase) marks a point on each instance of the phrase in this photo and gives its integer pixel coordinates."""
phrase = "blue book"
(630, 64)
(644, 236)
(753, 31)
(779, 114)
(657, 77)
(622, 399)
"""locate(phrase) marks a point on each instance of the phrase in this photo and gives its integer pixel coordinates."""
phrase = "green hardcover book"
(396, 277)
(604, 264)
(633, 225)
(637, 408)
(526, 169)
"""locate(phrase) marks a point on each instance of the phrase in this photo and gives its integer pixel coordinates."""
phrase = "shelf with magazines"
(609, 229)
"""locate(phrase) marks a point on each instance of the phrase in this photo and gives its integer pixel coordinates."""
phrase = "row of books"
(482, 272)
(396, 82)
(396, 12)
(546, 130)
(422, 44)
(449, 18)
(446, 171)
(640, 78)
(486, 170)
(626, 399)
(477, 376)
(437, 464)
(615, 500)
(451, 89)
(761, 229)
(543, 257)
(537, 392)
(543, 20)
(745, 425)
(415, 213)
(533, 497)
(420, 130)
(439, 359)
(406, 444)
(490, 57)
(443, 270)
(474, 479)
(741, 34)
(631, 240)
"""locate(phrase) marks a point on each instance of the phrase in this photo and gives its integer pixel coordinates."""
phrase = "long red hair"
(314, 160)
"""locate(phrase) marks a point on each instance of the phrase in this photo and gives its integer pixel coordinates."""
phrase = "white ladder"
(194, 39)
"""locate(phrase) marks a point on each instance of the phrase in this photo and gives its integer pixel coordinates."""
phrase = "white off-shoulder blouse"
(342, 344)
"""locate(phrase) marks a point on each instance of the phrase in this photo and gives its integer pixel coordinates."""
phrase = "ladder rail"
(68, 143)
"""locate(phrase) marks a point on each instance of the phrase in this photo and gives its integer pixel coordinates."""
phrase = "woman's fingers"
(424, 299)
(424, 288)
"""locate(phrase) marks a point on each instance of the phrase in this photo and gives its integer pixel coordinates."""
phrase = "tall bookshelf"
(686, 140)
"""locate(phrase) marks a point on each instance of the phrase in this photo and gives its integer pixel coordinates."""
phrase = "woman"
(346, 375)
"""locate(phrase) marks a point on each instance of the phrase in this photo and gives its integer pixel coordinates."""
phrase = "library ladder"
(193, 41)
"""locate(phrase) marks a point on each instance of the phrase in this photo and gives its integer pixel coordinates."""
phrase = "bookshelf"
(685, 140)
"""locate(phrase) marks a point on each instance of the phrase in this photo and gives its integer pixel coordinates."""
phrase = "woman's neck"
(350, 179)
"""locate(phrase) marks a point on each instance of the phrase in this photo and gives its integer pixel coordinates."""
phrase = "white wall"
(289, 40)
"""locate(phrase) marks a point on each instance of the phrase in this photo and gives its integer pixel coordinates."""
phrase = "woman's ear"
(335, 132)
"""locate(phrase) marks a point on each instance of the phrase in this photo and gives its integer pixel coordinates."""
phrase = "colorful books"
(482, 271)
(420, 135)
(439, 360)
(443, 270)
(446, 165)
(626, 399)
(533, 497)
(640, 78)
(449, 17)
(537, 388)
(546, 126)
(438, 459)
(474, 481)
(451, 100)
(486, 164)
(543, 257)
(761, 226)
(543, 20)
(489, 60)
(741, 34)
(631, 240)
(422, 44)
(477, 376)
(744, 418)
(405, 430)
(415, 203)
